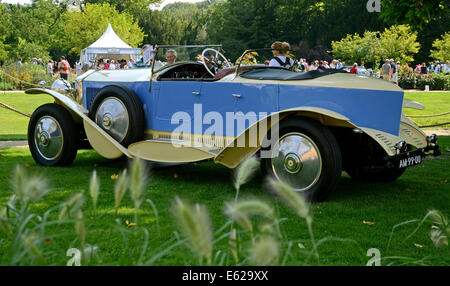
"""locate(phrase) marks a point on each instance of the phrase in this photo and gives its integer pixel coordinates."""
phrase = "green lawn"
(341, 217)
(13, 126)
(435, 103)
(386, 204)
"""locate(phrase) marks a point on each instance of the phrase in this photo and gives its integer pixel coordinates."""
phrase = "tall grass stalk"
(138, 185)
(298, 203)
(194, 222)
(72, 206)
(264, 251)
(241, 211)
(94, 189)
(244, 173)
(80, 229)
(120, 188)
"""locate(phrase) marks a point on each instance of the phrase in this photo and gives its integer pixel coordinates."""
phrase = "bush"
(6, 86)
(27, 73)
(409, 80)
(441, 81)
(407, 83)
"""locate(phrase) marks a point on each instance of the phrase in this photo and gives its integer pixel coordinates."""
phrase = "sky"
(164, 3)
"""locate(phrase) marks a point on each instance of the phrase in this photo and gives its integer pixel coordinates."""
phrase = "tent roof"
(109, 39)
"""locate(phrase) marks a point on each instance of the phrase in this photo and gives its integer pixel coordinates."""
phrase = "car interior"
(198, 72)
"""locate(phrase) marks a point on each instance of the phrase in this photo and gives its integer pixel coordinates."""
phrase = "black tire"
(133, 107)
(376, 175)
(330, 155)
(58, 148)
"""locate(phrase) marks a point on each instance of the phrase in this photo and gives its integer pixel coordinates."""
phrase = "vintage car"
(306, 127)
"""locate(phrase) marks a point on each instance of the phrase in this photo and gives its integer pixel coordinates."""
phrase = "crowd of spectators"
(437, 68)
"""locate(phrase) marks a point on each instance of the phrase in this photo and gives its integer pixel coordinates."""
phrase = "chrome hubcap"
(112, 116)
(296, 161)
(107, 121)
(292, 163)
(48, 138)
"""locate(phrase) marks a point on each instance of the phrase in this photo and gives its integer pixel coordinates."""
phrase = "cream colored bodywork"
(169, 152)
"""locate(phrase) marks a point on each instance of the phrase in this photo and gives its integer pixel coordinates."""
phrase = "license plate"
(411, 161)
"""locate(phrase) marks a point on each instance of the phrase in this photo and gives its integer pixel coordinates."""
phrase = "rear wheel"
(307, 157)
(52, 136)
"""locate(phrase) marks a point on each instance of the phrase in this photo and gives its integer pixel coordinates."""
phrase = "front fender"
(101, 141)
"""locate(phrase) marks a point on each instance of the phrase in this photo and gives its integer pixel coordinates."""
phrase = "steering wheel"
(217, 54)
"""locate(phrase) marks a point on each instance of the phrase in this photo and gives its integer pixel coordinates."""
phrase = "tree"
(5, 28)
(84, 28)
(348, 49)
(28, 50)
(130, 6)
(416, 13)
(441, 48)
(397, 42)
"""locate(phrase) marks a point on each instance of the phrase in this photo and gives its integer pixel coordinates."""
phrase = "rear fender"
(240, 148)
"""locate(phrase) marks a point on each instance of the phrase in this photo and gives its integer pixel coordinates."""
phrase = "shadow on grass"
(13, 137)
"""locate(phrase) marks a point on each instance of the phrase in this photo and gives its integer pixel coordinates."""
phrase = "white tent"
(109, 46)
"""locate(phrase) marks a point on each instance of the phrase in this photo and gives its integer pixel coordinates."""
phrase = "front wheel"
(52, 136)
(307, 157)
(118, 111)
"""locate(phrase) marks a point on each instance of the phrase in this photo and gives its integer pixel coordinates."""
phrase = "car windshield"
(166, 56)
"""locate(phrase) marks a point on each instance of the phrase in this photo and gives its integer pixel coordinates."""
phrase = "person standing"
(50, 67)
(354, 69)
(112, 65)
(438, 67)
(446, 67)
(424, 69)
(386, 70)
(64, 68)
(394, 72)
(314, 65)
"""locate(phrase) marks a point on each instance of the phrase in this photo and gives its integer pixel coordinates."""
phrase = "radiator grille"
(90, 96)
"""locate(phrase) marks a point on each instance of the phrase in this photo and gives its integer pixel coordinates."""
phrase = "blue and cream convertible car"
(306, 127)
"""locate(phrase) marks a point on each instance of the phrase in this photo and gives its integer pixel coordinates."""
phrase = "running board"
(169, 151)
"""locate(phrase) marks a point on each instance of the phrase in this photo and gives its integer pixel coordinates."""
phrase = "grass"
(386, 204)
(342, 216)
(13, 126)
(435, 103)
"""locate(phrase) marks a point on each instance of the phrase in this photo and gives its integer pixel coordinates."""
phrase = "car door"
(255, 101)
(218, 101)
(175, 97)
